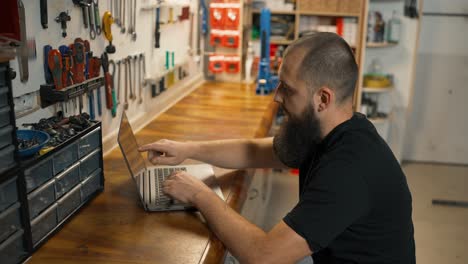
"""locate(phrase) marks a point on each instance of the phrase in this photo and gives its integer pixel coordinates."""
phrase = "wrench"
(92, 28)
(135, 77)
(129, 62)
(97, 16)
(122, 16)
(118, 81)
(134, 34)
(130, 27)
(125, 62)
(116, 12)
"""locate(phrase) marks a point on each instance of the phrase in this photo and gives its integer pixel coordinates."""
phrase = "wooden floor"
(115, 229)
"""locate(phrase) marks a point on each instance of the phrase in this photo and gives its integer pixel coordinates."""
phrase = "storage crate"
(13, 251)
(8, 193)
(10, 221)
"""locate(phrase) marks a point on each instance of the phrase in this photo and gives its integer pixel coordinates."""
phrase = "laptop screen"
(129, 147)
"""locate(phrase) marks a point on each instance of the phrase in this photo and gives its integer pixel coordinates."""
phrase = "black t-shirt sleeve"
(332, 199)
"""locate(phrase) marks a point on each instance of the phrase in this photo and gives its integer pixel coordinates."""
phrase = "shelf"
(275, 12)
(333, 14)
(380, 44)
(376, 90)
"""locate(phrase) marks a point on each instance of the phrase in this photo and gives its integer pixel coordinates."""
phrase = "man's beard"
(297, 138)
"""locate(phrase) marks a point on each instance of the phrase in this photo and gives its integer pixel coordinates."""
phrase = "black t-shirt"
(354, 203)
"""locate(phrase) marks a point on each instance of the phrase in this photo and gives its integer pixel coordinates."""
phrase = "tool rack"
(49, 95)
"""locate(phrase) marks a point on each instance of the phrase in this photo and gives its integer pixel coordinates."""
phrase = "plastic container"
(38, 174)
(10, 221)
(91, 185)
(12, 250)
(41, 137)
(8, 194)
(5, 136)
(43, 224)
(4, 116)
(89, 164)
(65, 157)
(89, 142)
(68, 203)
(41, 198)
(66, 180)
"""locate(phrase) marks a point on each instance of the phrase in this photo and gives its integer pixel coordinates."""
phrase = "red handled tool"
(54, 59)
(108, 80)
(79, 60)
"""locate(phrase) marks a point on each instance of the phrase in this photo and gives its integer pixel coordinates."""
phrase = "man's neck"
(338, 117)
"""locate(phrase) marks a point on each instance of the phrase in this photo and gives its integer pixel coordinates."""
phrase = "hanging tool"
(63, 18)
(143, 61)
(116, 12)
(94, 69)
(95, 73)
(157, 33)
(54, 60)
(130, 27)
(114, 94)
(138, 80)
(204, 14)
(154, 92)
(97, 16)
(134, 34)
(44, 18)
(23, 49)
(88, 55)
(122, 16)
(84, 4)
(66, 65)
(167, 60)
(79, 59)
(129, 63)
(92, 27)
(107, 21)
(125, 62)
(47, 73)
(135, 77)
(162, 85)
(118, 81)
(108, 84)
(172, 59)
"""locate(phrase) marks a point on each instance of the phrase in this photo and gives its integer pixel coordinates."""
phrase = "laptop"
(149, 179)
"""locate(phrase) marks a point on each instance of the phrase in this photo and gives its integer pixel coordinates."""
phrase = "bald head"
(324, 59)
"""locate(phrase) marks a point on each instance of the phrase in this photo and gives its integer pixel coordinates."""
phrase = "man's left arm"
(247, 242)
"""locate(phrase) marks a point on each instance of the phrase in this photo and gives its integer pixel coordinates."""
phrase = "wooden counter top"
(114, 228)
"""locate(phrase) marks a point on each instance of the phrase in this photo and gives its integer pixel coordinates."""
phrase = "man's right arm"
(232, 153)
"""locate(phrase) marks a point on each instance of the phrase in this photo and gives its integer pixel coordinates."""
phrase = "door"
(437, 127)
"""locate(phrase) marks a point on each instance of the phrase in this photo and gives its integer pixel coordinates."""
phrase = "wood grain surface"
(114, 228)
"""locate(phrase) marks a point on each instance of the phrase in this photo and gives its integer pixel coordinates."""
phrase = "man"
(354, 206)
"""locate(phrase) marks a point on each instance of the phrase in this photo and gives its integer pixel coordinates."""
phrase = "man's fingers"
(155, 147)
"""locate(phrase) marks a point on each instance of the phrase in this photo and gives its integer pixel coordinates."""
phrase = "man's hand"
(167, 152)
(184, 187)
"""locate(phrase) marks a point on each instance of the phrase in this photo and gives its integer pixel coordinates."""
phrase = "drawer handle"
(253, 194)
(86, 146)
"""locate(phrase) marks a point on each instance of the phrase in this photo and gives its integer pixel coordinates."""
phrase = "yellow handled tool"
(107, 21)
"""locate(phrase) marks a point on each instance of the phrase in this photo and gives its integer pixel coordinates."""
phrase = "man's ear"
(325, 96)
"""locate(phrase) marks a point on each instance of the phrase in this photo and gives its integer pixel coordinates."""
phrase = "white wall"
(174, 37)
(438, 123)
(397, 60)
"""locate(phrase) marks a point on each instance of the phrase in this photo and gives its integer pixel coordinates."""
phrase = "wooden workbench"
(114, 228)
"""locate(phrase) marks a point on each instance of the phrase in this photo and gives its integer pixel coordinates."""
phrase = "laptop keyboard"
(161, 175)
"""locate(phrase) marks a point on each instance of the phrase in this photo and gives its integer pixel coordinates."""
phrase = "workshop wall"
(174, 38)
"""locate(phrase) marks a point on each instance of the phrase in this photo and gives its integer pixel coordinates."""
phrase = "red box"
(216, 37)
(217, 16)
(216, 63)
(232, 16)
(232, 63)
(230, 38)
